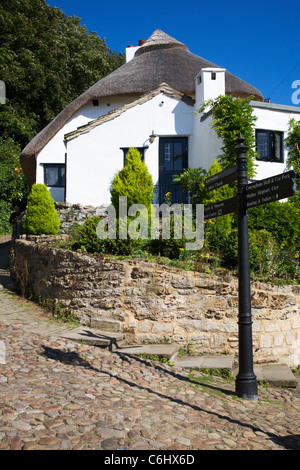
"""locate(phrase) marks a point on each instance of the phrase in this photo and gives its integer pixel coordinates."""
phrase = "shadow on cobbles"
(290, 442)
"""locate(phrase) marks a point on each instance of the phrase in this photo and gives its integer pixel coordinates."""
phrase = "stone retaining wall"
(151, 303)
(76, 213)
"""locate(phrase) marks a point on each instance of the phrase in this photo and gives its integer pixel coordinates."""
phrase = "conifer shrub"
(133, 181)
(41, 216)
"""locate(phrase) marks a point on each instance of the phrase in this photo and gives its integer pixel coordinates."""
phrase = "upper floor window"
(269, 145)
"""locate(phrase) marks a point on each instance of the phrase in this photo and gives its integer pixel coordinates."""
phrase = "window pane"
(168, 157)
(51, 176)
(178, 156)
(262, 140)
(54, 175)
(277, 147)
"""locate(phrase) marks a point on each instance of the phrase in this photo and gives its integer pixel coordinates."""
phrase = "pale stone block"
(162, 328)
(144, 327)
(199, 339)
(229, 327)
(271, 327)
(218, 341)
(278, 339)
(290, 337)
(266, 341)
(296, 323)
(257, 326)
(286, 325)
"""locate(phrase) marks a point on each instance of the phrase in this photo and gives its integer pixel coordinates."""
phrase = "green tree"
(41, 216)
(220, 194)
(293, 161)
(191, 180)
(13, 184)
(43, 50)
(230, 117)
(133, 181)
(47, 59)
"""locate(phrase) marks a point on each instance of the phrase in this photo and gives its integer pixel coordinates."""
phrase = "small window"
(213, 75)
(269, 145)
(54, 175)
(140, 149)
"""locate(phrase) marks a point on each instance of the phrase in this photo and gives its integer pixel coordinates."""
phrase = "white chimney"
(131, 50)
(210, 83)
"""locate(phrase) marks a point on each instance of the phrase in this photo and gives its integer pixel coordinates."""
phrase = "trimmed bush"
(41, 216)
(134, 182)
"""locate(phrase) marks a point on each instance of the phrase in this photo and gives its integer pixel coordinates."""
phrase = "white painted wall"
(55, 150)
(209, 84)
(205, 146)
(94, 157)
(276, 118)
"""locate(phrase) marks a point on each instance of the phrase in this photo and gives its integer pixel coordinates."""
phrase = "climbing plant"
(292, 143)
(230, 117)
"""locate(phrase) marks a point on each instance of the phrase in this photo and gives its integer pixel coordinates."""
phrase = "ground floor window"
(140, 149)
(54, 175)
(269, 145)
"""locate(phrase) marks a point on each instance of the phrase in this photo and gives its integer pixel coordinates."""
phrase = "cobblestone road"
(56, 395)
(59, 395)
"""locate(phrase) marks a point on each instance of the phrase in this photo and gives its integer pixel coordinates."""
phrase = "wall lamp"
(152, 137)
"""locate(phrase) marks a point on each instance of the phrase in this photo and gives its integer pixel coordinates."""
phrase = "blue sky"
(256, 40)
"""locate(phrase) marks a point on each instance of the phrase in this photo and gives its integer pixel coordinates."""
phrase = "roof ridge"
(160, 40)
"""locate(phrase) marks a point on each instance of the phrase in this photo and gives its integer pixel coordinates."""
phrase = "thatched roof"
(161, 59)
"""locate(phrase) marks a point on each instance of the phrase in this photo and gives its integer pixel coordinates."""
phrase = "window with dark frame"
(54, 175)
(269, 145)
(140, 149)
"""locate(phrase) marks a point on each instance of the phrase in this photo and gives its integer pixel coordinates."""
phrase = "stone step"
(85, 335)
(103, 323)
(206, 362)
(168, 351)
(278, 375)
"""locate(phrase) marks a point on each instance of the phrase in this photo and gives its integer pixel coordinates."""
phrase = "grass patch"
(156, 358)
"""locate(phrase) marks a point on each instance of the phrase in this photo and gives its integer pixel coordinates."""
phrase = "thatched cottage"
(148, 103)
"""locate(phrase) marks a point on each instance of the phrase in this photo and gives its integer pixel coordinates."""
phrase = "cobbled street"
(58, 395)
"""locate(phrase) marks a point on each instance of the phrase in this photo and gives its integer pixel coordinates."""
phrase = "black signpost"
(220, 179)
(248, 195)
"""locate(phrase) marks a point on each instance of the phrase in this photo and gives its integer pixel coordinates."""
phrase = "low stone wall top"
(151, 303)
(70, 214)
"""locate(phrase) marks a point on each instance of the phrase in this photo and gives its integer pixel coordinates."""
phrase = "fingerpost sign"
(248, 195)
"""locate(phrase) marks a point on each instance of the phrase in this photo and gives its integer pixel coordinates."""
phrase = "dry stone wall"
(70, 214)
(151, 303)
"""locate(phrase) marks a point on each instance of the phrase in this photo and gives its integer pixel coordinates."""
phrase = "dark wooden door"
(173, 159)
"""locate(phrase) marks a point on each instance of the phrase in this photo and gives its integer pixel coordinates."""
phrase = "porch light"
(152, 137)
